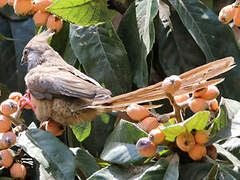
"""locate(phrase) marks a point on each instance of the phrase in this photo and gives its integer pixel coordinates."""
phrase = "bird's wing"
(47, 82)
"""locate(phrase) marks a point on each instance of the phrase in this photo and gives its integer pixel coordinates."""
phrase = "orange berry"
(198, 104)
(236, 17)
(11, 2)
(41, 4)
(40, 18)
(8, 107)
(18, 171)
(145, 147)
(200, 92)
(7, 139)
(213, 105)
(171, 84)
(22, 7)
(54, 23)
(198, 152)
(6, 158)
(181, 98)
(54, 127)
(148, 124)
(212, 93)
(5, 123)
(3, 3)
(212, 151)
(185, 141)
(226, 14)
(16, 96)
(202, 136)
(137, 112)
(156, 136)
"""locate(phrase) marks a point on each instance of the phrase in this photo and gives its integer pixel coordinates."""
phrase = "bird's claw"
(26, 100)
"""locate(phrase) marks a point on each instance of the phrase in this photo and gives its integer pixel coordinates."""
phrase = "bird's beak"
(23, 60)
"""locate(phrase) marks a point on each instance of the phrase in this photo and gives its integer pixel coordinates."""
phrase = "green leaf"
(136, 30)
(228, 155)
(82, 12)
(212, 173)
(115, 172)
(225, 172)
(212, 37)
(102, 55)
(198, 121)
(172, 171)
(81, 131)
(85, 162)
(156, 172)
(50, 152)
(120, 147)
(175, 45)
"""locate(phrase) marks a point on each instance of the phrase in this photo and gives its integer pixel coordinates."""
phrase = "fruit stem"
(176, 107)
(16, 118)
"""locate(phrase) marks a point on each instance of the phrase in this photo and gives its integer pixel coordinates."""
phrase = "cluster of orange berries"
(229, 13)
(37, 7)
(194, 144)
(8, 137)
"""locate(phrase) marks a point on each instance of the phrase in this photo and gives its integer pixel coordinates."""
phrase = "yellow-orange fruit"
(181, 98)
(7, 140)
(213, 105)
(40, 18)
(6, 158)
(202, 136)
(236, 17)
(198, 104)
(22, 7)
(54, 23)
(197, 152)
(137, 112)
(54, 127)
(212, 93)
(8, 107)
(41, 4)
(3, 3)
(11, 2)
(185, 141)
(227, 13)
(171, 84)
(200, 92)
(156, 136)
(148, 124)
(145, 147)
(5, 123)
(16, 96)
(18, 171)
(212, 151)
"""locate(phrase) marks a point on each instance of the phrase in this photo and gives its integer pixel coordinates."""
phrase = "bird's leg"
(26, 100)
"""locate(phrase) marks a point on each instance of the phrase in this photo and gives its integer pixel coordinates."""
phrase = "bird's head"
(32, 53)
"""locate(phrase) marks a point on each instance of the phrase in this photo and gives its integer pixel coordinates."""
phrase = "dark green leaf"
(120, 147)
(82, 12)
(156, 172)
(136, 30)
(212, 37)
(85, 162)
(225, 172)
(193, 171)
(81, 131)
(115, 172)
(51, 153)
(172, 171)
(175, 46)
(102, 54)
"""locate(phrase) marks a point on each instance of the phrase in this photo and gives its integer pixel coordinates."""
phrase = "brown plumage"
(64, 94)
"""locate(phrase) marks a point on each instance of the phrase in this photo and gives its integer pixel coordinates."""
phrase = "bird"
(60, 92)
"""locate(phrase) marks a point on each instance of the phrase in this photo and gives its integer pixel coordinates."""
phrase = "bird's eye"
(25, 52)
